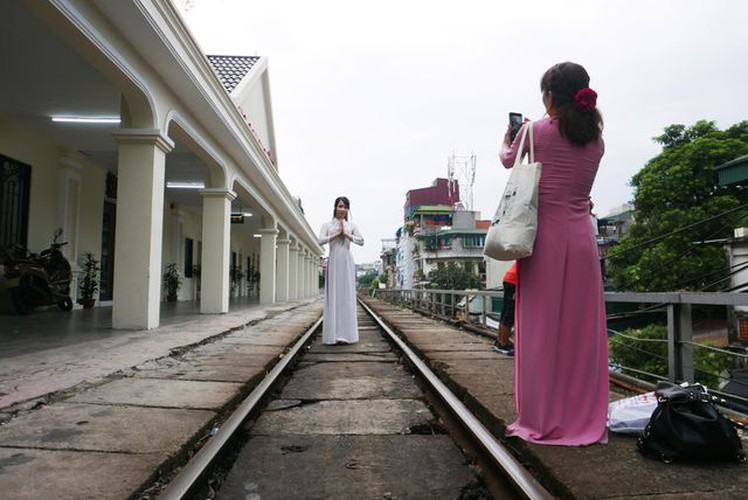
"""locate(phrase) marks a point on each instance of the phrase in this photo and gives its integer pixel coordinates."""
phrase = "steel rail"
(199, 464)
(521, 477)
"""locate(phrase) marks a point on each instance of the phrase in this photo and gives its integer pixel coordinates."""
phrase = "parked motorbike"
(34, 280)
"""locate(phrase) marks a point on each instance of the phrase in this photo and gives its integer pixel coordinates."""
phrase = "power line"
(667, 235)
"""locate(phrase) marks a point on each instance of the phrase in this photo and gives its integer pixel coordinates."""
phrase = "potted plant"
(172, 281)
(89, 281)
(235, 275)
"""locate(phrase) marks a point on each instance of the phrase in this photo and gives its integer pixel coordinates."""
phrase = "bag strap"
(532, 145)
(520, 151)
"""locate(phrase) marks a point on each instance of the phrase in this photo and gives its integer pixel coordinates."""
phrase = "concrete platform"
(345, 417)
(87, 427)
(361, 471)
(485, 382)
(95, 418)
(98, 417)
(347, 426)
(76, 474)
(56, 357)
(161, 393)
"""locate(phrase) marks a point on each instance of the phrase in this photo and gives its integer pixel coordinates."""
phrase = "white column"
(300, 268)
(69, 202)
(308, 274)
(293, 274)
(317, 272)
(267, 265)
(68, 212)
(216, 234)
(281, 292)
(315, 275)
(140, 213)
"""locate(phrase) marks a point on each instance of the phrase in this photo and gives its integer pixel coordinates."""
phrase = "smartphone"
(515, 122)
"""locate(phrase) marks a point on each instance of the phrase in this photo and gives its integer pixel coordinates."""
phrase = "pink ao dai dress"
(561, 349)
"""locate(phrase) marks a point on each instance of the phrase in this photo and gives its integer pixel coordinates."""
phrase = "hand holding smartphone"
(515, 123)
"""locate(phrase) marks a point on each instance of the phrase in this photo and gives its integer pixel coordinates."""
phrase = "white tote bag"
(512, 232)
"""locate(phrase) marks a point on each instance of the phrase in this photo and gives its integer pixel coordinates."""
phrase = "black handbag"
(686, 426)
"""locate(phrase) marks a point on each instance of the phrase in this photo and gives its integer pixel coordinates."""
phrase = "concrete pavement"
(484, 380)
(99, 417)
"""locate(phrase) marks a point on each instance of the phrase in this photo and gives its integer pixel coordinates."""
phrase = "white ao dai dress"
(340, 323)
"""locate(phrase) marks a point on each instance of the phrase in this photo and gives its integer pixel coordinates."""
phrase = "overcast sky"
(371, 98)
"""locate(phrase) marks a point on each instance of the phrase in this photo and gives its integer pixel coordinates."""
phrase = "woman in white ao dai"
(340, 324)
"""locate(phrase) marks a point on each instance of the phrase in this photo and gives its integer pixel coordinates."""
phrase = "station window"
(15, 184)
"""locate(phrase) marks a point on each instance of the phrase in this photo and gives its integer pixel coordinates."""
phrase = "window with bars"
(473, 241)
(15, 185)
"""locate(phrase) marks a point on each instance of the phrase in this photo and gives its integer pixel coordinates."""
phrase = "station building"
(117, 128)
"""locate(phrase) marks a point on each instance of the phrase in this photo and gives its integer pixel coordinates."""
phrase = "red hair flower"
(586, 99)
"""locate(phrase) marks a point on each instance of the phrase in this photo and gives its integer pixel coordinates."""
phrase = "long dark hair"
(335, 206)
(578, 124)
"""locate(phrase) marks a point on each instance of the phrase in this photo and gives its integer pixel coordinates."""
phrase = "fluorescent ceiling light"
(86, 119)
(185, 185)
(257, 235)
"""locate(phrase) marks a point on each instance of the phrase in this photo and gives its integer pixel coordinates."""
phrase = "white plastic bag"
(631, 415)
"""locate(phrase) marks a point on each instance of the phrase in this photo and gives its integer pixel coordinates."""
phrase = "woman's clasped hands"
(342, 233)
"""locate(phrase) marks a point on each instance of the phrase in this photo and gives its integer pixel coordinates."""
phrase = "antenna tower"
(462, 168)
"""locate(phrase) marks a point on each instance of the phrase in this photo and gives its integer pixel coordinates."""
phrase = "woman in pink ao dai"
(561, 349)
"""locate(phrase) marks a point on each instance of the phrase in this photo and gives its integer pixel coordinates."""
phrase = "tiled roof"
(231, 69)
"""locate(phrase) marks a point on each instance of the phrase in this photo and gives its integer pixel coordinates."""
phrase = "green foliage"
(235, 274)
(172, 279)
(374, 286)
(642, 354)
(452, 277)
(365, 281)
(384, 277)
(89, 281)
(676, 189)
(710, 365)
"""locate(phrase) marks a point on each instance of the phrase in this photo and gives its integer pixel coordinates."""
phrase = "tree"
(452, 277)
(384, 277)
(679, 189)
(636, 349)
(365, 281)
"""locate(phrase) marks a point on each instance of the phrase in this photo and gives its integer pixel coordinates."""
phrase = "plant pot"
(87, 302)
(172, 297)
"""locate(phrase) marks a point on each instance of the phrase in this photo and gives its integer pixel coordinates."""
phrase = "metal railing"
(443, 303)
(447, 304)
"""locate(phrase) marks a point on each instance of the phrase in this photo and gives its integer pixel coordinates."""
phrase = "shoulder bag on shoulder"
(513, 228)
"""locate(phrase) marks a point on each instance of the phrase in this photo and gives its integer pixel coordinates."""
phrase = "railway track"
(366, 420)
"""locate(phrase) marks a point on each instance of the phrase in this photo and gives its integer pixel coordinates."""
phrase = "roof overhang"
(733, 172)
